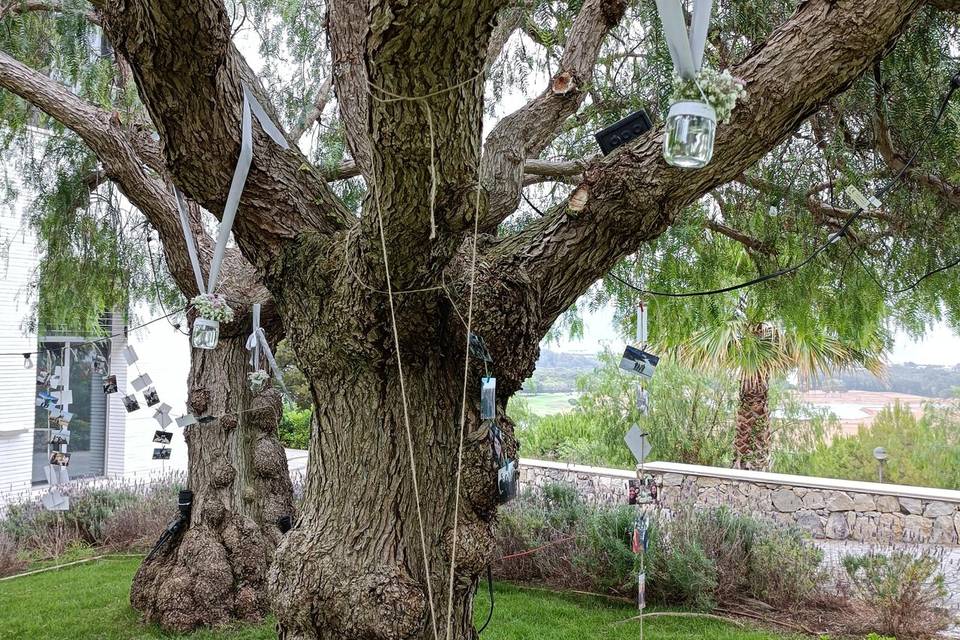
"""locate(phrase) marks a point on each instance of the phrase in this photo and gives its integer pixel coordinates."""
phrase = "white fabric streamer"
(251, 109)
(686, 49)
(258, 341)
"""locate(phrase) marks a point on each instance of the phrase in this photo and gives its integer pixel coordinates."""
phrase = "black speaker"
(619, 133)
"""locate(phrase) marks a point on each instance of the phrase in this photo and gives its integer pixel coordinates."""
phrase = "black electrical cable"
(954, 85)
(490, 587)
(102, 338)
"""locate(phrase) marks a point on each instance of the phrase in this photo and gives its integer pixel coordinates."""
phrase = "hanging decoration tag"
(643, 401)
(642, 324)
(637, 443)
(639, 362)
(186, 421)
(488, 398)
(642, 590)
(861, 200)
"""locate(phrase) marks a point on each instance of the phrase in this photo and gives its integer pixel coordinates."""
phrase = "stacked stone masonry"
(826, 508)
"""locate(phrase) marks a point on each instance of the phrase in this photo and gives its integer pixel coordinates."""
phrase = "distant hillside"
(916, 379)
(557, 372)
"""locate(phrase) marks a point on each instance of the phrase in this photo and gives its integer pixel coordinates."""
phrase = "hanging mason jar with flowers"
(697, 104)
(212, 309)
(258, 380)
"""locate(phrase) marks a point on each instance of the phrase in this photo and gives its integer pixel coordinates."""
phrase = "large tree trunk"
(752, 440)
(353, 565)
(215, 571)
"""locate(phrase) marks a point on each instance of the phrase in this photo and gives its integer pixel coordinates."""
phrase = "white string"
(463, 400)
(406, 417)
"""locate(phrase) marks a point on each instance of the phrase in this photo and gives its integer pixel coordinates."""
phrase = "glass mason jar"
(688, 138)
(205, 334)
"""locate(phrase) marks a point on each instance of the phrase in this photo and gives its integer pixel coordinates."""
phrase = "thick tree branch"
(883, 140)
(347, 27)
(316, 109)
(631, 196)
(526, 132)
(116, 150)
(509, 19)
(13, 7)
(945, 5)
(190, 77)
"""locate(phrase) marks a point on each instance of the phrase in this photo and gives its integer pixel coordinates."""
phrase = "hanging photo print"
(60, 459)
(162, 437)
(161, 454)
(507, 482)
(130, 403)
(162, 418)
(488, 398)
(639, 362)
(59, 437)
(130, 355)
(151, 396)
(110, 384)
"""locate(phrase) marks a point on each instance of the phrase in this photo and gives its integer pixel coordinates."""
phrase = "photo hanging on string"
(162, 437)
(110, 384)
(151, 396)
(60, 459)
(161, 454)
(130, 403)
(59, 437)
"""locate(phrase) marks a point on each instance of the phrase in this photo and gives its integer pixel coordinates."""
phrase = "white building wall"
(18, 258)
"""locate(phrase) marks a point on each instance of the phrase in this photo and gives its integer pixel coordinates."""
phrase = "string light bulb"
(27, 362)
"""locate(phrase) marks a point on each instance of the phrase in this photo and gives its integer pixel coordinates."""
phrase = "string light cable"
(105, 338)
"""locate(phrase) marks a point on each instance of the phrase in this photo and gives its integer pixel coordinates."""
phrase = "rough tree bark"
(352, 566)
(237, 468)
(215, 572)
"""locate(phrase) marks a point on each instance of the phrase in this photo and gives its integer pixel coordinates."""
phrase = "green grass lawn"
(89, 601)
(548, 404)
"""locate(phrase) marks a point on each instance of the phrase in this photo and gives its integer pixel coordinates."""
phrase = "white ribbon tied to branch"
(251, 108)
(257, 341)
(686, 49)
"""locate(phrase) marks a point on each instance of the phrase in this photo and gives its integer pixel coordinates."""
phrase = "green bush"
(295, 428)
(697, 558)
(924, 451)
(900, 595)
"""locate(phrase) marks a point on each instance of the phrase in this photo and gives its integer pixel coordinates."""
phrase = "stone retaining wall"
(834, 509)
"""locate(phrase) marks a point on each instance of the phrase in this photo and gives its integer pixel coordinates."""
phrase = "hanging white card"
(164, 408)
(163, 419)
(637, 443)
(141, 383)
(186, 421)
(129, 354)
(53, 500)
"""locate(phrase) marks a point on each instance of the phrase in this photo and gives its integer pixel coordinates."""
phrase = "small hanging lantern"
(690, 131)
(206, 333)
(212, 309)
(701, 97)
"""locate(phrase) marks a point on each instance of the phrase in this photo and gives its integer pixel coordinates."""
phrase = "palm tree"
(760, 350)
